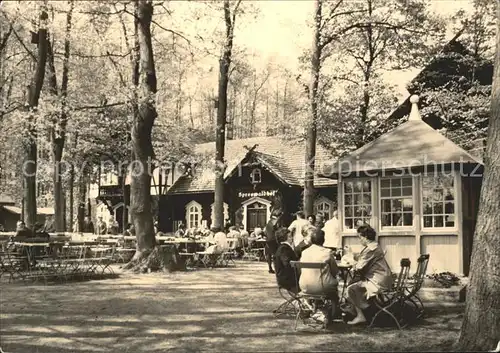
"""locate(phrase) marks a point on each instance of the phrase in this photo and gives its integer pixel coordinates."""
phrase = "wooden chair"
(415, 283)
(391, 302)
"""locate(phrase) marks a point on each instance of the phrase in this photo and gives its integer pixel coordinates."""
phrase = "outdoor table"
(31, 246)
(345, 274)
(87, 243)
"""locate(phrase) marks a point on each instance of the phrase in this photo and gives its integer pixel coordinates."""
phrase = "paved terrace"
(227, 309)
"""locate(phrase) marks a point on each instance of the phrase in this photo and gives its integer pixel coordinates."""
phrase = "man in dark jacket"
(285, 274)
(271, 241)
(88, 226)
(22, 231)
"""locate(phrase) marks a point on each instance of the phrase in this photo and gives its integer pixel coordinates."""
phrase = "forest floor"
(226, 309)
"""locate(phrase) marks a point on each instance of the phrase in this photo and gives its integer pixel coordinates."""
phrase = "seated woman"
(285, 274)
(318, 281)
(373, 270)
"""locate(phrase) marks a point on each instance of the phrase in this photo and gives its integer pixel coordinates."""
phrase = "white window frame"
(323, 200)
(373, 205)
(253, 176)
(456, 199)
(380, 198)
(188, 213)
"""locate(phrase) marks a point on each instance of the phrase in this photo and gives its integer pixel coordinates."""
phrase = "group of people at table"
(306, 242)
(311, 240)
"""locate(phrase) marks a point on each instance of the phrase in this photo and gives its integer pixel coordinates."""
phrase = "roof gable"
(412, 144)
(284, 158)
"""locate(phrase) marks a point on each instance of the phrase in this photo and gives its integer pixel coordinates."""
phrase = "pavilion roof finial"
(414, 113)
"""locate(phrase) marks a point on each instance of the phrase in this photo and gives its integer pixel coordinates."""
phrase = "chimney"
(414, 113)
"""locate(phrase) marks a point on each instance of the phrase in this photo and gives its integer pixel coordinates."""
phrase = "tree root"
(164, 259)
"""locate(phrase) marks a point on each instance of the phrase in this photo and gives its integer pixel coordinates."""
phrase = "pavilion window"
(396, 202)
(438, 201)
(357, 203)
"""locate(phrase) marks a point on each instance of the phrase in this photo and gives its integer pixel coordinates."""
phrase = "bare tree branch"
(24, 45)
(100, 106)
(171, 31)
(5, 38)
(90, 56)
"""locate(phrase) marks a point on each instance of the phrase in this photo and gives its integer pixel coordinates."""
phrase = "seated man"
(220, 240)
(285, 274)
(181, 231)
(40, 231)
(22, 231)
(319, 281)
(233, 233)
(374, 271)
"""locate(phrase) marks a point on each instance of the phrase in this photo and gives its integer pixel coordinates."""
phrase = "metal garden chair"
(391, 302)
(308, 304)
(414, 284)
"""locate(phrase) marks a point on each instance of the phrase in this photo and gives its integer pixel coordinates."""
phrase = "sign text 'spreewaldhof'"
(257, 194)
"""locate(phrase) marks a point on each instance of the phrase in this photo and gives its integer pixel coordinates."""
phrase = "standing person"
(271, 241)
(320, 221)
(101, 226)
(296, 228)
(227, 225)
(311, 219)
(88, 226)
(333, 238)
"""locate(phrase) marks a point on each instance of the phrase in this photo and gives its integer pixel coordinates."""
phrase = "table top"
(32, 244)
(341, 264)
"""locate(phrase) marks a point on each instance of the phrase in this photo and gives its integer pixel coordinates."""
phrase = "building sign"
(257, 194)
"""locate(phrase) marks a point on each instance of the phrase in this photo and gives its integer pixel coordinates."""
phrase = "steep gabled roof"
(411, 144)
(284, 158)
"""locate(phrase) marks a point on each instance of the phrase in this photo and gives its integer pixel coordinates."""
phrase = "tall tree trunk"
(82, 196)
(481, 325)
(71, 187)
(311, 126)
(220, 138)
(58, 130)
(368, 67)
(142, 126)
(126, 201)
(30, 147)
